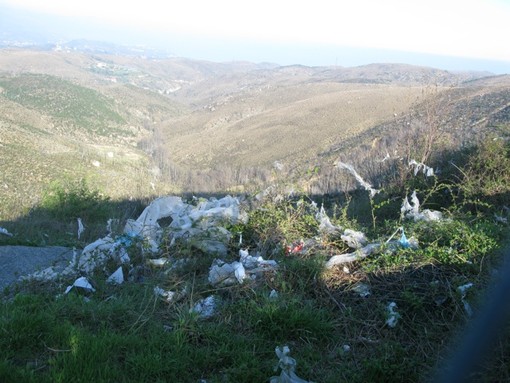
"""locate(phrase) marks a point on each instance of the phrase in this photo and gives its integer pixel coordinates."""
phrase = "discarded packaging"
(325, 225)
(227, 274)
(81, 228)
(158, 262)
(117, 277)
(273, 294)
(81, 283)
(206, 307)
(463, 292)
(427, 170)
(412, 210)
(167, 294)
(354, 239)
(360, 180)
(354, 256)
(288, 367)
(5, 232)
(392, 315)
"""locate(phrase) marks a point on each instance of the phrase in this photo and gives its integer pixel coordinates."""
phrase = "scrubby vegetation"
(334, 320)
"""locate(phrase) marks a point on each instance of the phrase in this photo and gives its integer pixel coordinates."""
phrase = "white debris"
(81, 228)
(412, 210)
(392, 315)
(5, 232)
(81, 283)
(463, 292)
(124, 256)
(325, 225)
(273, 294)
(288, 367)
(354, 239)
(158, 262)
(206, 307)
(360, 180)
(117, 277)
(95, 254)
(251, 262)
(167, 294)
(226, 274)
(427, 170)
(346, 348)
(354, 256)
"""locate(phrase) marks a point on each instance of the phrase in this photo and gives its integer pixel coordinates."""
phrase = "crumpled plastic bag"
(226, 274)
(412, 210)
(205, 308)
(288, 366)
(354, 239)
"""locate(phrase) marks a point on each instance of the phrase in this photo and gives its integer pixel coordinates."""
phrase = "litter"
(206, 307)
(81, 283)
(463, 292)
(81, 228)
(167, 294)
(354, 239)
(346, 348)
(117, 277)
(412, 210)
(354, 256)
(392, 316)
(325, 225)
(295, 248)
(273, 294)
(5, 232)
(226, 274)
(360, 180)
(427, 170)
(158, 262)
(288, 366)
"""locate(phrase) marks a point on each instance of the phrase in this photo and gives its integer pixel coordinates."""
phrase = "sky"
(473, 33)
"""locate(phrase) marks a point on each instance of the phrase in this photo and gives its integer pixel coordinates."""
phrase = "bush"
(70, 200)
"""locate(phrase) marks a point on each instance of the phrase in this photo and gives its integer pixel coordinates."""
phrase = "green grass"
(66, 102)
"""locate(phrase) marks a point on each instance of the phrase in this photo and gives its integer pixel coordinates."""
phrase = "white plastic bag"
(288, 366)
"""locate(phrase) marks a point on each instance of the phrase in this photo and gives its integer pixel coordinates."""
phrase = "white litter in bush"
(412, 210)
(288, 367)
(360, 180)
(206, 307)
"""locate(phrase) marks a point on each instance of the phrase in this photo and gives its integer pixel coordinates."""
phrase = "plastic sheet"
(288, 366)
(205, 308)
(117, 277)
(365, 185)
(81, 283)
(412, 210)
(5, 232)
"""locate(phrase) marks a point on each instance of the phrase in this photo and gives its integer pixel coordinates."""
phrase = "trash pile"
(202, 223)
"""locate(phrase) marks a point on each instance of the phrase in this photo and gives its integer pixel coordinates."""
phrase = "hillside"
(159, 124)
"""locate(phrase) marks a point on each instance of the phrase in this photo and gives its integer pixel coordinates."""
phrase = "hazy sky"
(477, 29)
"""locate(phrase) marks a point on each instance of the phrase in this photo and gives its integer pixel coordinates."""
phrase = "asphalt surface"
(17, 261)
